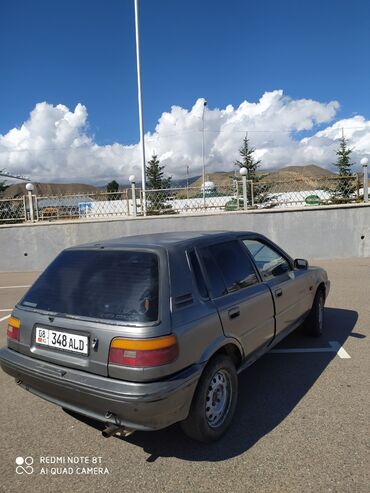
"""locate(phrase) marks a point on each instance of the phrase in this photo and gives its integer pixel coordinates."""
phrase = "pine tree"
(155, 176)
(345, 187)
(248, 161)
(155, 180)
(113, 186)
(260, 192)
(343, 160)
(2, 183)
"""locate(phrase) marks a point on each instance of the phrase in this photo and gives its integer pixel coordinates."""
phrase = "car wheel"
(214, 401)
(314, 323)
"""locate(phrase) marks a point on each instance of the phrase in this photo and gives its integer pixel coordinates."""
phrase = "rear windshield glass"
(114, 285)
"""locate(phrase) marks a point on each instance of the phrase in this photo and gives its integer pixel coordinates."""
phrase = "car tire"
(314, 323)
(214, 402)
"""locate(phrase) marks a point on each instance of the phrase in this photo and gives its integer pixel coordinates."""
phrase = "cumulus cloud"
(54, 143)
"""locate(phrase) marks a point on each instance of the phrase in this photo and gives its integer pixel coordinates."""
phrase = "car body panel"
(154, 397)
(248, 315)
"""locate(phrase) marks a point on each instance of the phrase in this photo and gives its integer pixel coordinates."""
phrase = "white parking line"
(6, 309)
(4, 318)
(14, 287)
(335, 347)
(341, 352)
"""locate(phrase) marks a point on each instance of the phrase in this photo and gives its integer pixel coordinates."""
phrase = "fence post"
(29, 188)
(364, 162)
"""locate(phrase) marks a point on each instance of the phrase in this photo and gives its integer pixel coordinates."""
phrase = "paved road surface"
(302, 422)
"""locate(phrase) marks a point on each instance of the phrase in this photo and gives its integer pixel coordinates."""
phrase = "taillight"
(141, 353)
(14, 329)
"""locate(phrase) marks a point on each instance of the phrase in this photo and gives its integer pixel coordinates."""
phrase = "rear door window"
(229, 267)
(198, 276)
(104, 284)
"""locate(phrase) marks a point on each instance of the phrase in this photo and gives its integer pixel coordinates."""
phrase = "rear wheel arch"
(321, 287)
(233, 352)
(223, 346)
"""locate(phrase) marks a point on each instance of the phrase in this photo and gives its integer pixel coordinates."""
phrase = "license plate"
(62, 340)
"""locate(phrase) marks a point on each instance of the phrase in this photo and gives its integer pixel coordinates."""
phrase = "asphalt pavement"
(302, 421)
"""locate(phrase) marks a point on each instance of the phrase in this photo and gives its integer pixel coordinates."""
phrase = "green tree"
(2, 183)
(248, 161)
(345, 186)
(158, 183)
(112, 187)
(155, 179)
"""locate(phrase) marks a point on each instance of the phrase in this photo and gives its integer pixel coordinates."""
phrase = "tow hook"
(120, 431)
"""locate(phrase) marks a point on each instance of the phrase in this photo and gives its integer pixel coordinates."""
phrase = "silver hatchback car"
(145, 331)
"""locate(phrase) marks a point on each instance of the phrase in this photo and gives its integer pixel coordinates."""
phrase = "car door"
(290, 288)
(244, 303)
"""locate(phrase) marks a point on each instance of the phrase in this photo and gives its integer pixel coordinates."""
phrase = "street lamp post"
(30, 188)
(187, 181)
(203, 160)
(142, 143)
(243, 171)
(131, 179)
(364, 161)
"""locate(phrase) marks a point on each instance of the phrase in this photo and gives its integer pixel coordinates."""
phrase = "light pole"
(187, 181)
(364, 161)
(203, 160)
(29, 188)
(142, 144)
(243, 171)
(131, 179)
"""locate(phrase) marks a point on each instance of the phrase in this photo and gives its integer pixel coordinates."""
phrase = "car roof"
(165, 240)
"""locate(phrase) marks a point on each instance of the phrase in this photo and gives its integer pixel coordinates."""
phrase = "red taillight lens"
(141, 353)
(14, 329)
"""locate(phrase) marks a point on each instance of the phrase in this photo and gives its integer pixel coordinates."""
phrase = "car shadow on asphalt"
(268, 391)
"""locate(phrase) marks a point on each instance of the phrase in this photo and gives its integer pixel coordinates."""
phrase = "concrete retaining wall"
(310, 233)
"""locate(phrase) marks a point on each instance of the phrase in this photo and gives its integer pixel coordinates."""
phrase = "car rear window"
(114, 285)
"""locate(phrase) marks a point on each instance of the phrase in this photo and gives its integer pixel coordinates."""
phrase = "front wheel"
(314, 323)
(214, 401)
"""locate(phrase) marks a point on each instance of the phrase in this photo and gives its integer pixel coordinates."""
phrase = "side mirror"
(301, 264)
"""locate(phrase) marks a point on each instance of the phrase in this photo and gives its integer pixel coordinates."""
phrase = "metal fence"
(305, 192)
(13, 210)
(233, 197)
(82, 206)
(185, 200)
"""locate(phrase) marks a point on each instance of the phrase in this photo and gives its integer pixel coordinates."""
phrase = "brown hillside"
(49, 189)
(310, 174)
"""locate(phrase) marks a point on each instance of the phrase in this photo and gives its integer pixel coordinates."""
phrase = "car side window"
(270, 262)
(215, 281)
(234, 265)
(197, 272)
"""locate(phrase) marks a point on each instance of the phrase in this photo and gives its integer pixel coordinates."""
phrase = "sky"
(289, 74)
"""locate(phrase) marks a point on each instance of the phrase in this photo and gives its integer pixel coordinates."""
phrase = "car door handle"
(234, 312)
(278, 292)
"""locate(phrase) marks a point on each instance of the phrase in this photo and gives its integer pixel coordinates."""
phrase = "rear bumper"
(143, 406)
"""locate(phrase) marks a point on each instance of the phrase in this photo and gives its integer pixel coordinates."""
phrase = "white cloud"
(54, 143)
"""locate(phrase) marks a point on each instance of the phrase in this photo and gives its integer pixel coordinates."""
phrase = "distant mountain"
(310, 174)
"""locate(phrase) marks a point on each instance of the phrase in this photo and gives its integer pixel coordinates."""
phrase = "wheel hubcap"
(218, 398)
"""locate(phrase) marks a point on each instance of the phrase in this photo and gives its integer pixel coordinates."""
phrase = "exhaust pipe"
(116, 430)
